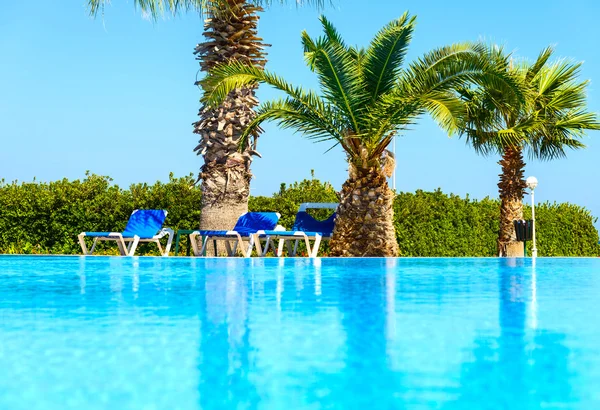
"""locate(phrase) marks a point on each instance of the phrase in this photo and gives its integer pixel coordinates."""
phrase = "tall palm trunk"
(231, 32)
(364, 225)
(512, 188)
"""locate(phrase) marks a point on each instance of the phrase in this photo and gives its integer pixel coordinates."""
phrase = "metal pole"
(395, 165)
(534, 250)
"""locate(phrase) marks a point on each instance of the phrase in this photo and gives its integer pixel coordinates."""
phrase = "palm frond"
(552, 78)
(321, 125)
(484, 142)
(488, 142)
(156, 8)
(445, 109)
(483, 108)
(338, 73)
(331, 33)
(319, 4)
(393, 112)
(578, 121)
(431, 84)
(568, 97)
(541, 61)
(549, 118)
(552, 142)
(434, 71)
(385, 55)
(225, 78)
(451, 67)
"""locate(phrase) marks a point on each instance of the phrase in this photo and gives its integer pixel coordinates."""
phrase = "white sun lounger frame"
(230, 238)
(127, 246)
(297, 236)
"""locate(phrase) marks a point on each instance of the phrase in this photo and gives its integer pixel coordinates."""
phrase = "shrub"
(436, 224)
(564, 230)
(46, 217)
(288, 200)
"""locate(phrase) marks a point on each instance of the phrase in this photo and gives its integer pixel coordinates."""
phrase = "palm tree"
(550, 117)
(231, 35)
(366, 99)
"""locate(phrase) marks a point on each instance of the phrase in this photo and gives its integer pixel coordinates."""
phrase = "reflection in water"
(280, 287)
(519, 365)
(307, 334)
(390, 302)
(317, 264)
(135, 280)
(362, 306)
(116, 278)
(82, 276)
(224, 363)
(512, 317)
(533, 307)
(365, 302)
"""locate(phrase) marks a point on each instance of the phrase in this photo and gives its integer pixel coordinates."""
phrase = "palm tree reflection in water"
(325, 369)
(325, 337)
(367, 302)
(524, 367)
(224, 339)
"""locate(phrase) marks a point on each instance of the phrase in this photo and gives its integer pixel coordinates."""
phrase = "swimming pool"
(180, 333)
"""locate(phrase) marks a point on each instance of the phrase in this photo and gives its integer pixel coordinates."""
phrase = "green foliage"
(564, 230)
(436, 224)
(46, 217)
(158, 8)
(367, 95)
(289, 198)
(550, 117)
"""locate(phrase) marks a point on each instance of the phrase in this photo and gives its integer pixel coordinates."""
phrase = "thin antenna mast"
(395, 165)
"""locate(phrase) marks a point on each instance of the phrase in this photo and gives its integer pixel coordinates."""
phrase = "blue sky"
(115, 96)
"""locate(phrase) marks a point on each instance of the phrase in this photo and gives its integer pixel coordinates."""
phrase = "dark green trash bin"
(524, 230)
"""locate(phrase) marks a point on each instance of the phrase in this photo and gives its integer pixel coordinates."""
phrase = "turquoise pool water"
(179, 333)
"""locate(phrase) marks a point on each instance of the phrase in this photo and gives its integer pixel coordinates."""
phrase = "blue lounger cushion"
(305, 228)
(247, 224)
(308, 225)
(99, 234)
(144, 223)
(243, 231)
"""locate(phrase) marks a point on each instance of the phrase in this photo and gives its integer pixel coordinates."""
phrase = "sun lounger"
(144, 225)
(243, 231)
(305, 228)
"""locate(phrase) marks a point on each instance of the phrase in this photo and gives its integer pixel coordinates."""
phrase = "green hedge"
(46, 217)
(436, 224)
(564, 230)
(289, 198)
